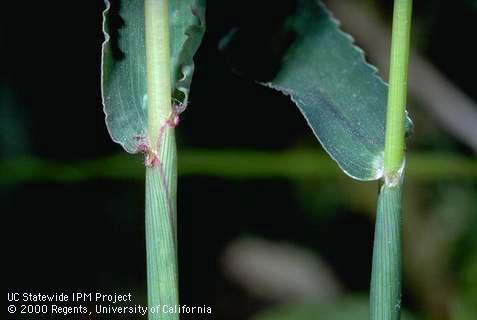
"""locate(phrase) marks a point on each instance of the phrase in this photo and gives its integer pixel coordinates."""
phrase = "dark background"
(89, 236)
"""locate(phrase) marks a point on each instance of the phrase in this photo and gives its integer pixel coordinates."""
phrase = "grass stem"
(158, 67)
(397, 95)
(161, 174)
(385, 295)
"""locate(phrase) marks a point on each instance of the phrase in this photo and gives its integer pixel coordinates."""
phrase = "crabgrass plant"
(146, 75)
(325, 75)
(344, 102)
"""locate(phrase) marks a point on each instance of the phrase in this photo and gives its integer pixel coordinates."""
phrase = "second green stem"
(385, 295)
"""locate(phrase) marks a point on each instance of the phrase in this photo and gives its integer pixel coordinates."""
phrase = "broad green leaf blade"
(187, 23)
(123, 82)
(340, 95)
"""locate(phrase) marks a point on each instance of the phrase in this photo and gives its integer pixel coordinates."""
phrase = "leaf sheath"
(385, 300)
(161, 242)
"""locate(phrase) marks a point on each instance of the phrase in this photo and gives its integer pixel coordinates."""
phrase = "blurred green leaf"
(340, 95)
(124, 73)
(465, 306)
(354, 307)
(14, 135)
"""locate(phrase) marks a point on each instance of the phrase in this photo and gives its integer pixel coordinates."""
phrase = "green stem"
(397, 95)
(158, 68)
(385, 295)
(161, 174)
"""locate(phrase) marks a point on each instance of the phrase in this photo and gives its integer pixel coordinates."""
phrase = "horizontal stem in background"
(294, 164)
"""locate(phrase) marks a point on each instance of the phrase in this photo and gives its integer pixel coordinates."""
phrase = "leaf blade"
(186, 34)
(341, 97)
(123, 80)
